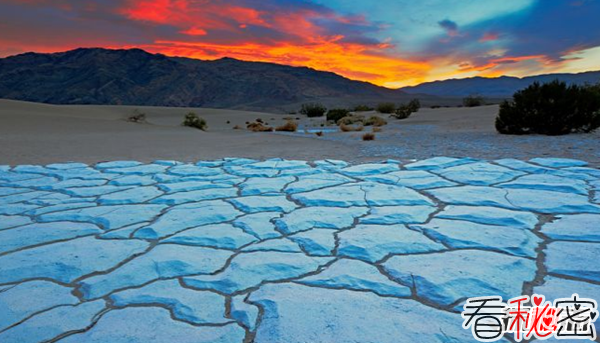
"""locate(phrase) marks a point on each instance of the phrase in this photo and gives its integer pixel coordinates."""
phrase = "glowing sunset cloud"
(389, 42)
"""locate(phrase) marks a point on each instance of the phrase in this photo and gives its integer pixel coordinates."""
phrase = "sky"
(392, 43)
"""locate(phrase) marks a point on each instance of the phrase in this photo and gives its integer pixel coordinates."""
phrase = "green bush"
(403, 112)
(313, 110)
(337, 114)
(386, 107)
(473, 101)
(362, 108)
(551, 109)
(192, 120)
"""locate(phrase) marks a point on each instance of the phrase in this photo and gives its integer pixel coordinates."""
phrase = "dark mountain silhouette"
(136, 77)
(500, 87)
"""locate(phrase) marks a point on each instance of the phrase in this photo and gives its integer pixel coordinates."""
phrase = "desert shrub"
(350, 120)
(375, 121)
(346, 128)
(289, 126)
(258, 127)
(362, 108)
(336, 114)
(192, 120)
(137, 117)
(368, 137)
(414, 105)
(403, 112)
(386, 107)
(350, 128)
(435, 106)
(473, 101)
(551, 109)
(313, 110)
(237, 127)
(319, 133)
(376, 129)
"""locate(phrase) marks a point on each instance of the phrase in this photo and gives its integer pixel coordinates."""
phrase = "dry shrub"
(237, 127)
(368, 137)
(375, 121)
(137, 117)
(289, 126)
(258, 120)
(350, 128)
(376, 129)
(346, 128)
(320, 133)
(259, 127)
(349, 120)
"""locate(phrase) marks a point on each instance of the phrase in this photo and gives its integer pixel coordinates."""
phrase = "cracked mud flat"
(239, 250)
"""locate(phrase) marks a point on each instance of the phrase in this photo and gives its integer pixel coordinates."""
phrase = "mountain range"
(136, 77)
(499, 87)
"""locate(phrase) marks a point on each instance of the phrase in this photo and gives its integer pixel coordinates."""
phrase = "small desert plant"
(414, 105)
(368, 137)
(258, 120)
(473, 101)
(362, 108)
(551, 109)
(337, 114)
(319, 133)
(376, 129)
(137, 117)
(350, 128)
(346, 128)
(289, 126)
(403, 112)
(386, 107)
(192, 120)
(237, 127)
(435, 106)
(349, 120)
(313, 110)
(259, 127)
(228, 122)
(375, 121)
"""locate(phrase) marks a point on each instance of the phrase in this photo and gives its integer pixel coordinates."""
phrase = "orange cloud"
(351, 60)
(296, 38)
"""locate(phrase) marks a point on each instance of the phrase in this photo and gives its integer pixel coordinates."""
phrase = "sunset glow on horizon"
(391, 43)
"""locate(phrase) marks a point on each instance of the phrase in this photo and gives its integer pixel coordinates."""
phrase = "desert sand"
(32, 133)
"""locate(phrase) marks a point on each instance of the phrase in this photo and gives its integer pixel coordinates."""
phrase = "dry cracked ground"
(238, 250)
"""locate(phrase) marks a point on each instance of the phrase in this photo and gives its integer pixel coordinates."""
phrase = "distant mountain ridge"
(136, 77)
(500, 87)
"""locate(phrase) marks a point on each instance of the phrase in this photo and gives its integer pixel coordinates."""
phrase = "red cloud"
(489, 37)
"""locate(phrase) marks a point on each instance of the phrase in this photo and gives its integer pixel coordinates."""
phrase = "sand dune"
(39, 133)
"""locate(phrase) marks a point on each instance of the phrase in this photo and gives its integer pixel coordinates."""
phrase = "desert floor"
(40, 133)
(240, 251)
